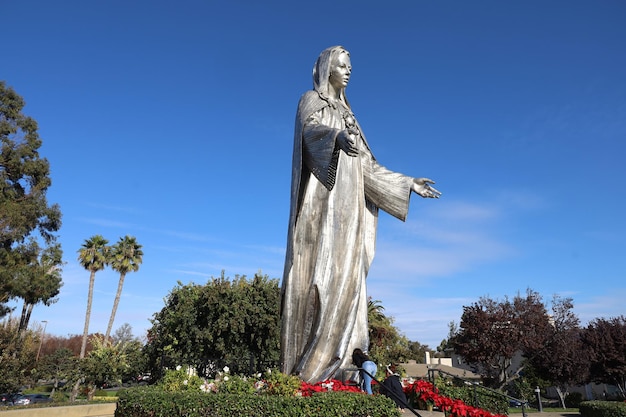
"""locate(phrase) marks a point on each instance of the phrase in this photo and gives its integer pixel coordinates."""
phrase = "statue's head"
(322, 68)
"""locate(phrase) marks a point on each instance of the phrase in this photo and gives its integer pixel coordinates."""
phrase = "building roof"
(420, 370)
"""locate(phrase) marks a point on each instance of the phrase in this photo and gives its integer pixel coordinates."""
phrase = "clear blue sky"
(173, 122)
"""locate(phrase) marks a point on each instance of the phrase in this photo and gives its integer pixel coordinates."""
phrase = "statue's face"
(340, 70)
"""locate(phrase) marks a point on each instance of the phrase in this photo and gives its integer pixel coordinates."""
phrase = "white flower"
(185, 382)
(226, 369)
(178, 368)
(328, 385)
(225, 377)
(269, 371)
(258, 375)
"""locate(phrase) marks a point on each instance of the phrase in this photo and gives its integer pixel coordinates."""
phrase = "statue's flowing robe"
(332, 230)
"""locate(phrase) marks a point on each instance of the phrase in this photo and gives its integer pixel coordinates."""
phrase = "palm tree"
(126, 257)
(93, 256)
(379, 325)
(375, 310)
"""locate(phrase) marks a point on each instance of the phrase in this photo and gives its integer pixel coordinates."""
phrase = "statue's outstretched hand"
(347, 142)
(421, 186)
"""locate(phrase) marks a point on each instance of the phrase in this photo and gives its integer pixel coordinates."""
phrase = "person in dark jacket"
(392, 387)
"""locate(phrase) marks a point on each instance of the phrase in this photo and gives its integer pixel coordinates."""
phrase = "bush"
(602, 409)
(476, 396)
(278, 383)
(154, 402)
(180, 380)
(573, 399)
(60, 397)
(235, 384)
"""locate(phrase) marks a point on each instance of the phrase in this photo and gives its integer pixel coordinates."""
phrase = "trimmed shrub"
(154, 402)
(476, 396)
(573, 399)
(602, 409)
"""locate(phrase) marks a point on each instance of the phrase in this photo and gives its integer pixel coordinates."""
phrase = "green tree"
(133, 347)
(447, 344)
(105, 364)
(17, 357)
(93, 256)
(39, 281)
(387, 344)
(126, 256)
(59, 366)
(24, 181)
(223, 320)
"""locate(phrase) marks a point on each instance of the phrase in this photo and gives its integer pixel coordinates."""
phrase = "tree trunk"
(29, 310)
(561, 396)
(118, 295)
(22, 326)
(83, 347)
(74, 392)
(91, 392)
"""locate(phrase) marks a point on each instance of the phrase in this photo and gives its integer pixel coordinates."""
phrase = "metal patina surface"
(337, 189)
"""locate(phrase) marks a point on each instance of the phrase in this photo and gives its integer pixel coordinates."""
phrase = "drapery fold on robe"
(332, 231)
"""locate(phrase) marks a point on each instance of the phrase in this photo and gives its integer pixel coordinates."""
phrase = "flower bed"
(182, 393)
(426, 392)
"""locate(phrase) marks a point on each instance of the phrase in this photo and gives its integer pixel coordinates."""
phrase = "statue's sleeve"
(319, 151)
(388, 190)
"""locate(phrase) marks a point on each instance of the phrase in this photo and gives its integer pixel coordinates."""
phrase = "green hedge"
(154, 402)
(602, 409)
(476, 396)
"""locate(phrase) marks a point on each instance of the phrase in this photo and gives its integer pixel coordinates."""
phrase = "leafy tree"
(562, 359)
(447, 343)
(126, 256)
(387, 344)
(105, 364)
(418, 351)
(133, 347)
(492, 333)
(136, 361)
(39, 281)
(93, 256)
(380, 327)
(606, 340)
(24, 180)
(17, 357)
(221, 320)
(59, 366)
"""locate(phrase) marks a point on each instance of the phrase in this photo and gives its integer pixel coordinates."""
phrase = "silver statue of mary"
(336, 191)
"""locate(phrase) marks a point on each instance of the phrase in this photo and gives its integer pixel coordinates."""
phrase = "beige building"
(420, 370)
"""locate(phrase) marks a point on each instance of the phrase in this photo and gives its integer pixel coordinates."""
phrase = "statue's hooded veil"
(321, 72)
